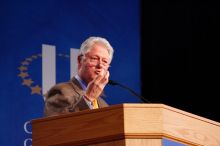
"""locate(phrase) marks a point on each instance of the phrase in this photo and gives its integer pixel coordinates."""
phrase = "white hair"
(88, 44)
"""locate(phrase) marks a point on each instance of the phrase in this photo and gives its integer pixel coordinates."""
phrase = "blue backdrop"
(26, 25)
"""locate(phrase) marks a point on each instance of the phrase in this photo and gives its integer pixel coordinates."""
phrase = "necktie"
(95, 104)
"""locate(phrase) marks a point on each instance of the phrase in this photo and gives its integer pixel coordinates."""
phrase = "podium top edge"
(129, 105)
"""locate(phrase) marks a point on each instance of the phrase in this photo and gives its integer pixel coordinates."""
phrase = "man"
(84, 90)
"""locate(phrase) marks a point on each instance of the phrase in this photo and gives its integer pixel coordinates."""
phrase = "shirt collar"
(81, 82)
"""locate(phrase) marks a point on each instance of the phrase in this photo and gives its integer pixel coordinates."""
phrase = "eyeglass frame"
(96, 60)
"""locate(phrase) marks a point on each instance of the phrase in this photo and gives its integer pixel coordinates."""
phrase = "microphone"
(114, 83)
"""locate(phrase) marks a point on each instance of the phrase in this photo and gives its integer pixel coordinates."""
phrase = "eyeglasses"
(95, 60)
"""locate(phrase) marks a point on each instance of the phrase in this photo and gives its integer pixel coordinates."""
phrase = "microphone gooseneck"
(114, 83)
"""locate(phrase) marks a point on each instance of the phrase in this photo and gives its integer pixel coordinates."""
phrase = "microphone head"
(113, 83)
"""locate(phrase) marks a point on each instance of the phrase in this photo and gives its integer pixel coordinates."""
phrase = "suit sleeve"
(58, 100)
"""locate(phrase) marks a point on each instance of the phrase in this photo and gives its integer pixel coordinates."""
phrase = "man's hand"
(96, 86)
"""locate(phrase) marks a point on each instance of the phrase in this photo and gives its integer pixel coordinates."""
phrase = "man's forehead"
(98, 50)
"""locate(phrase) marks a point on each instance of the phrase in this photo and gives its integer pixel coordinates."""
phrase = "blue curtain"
(26, 25)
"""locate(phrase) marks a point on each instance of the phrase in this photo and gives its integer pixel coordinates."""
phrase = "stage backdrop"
(32, 31)
(39, 41)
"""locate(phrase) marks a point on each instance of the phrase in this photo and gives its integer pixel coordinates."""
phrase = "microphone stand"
(114, 83)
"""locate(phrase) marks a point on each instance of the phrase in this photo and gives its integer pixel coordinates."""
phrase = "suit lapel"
(82, 105)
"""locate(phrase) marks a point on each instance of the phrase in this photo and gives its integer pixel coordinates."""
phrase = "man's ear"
(79, 59)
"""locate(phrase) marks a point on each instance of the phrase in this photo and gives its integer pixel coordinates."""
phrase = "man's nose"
(100, 64)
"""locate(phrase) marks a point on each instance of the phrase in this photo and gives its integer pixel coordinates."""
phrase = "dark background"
(180, 43)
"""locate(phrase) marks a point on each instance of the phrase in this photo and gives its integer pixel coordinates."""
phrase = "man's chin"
(94, 76)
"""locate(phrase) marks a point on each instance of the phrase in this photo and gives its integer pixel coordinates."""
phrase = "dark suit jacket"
(67, 97)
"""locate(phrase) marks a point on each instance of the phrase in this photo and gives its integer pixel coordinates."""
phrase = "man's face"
(95, 61)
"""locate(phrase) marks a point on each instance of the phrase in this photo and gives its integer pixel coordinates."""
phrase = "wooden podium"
(126, 124)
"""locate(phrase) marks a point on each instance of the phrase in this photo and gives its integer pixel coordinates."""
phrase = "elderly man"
(84, 90)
